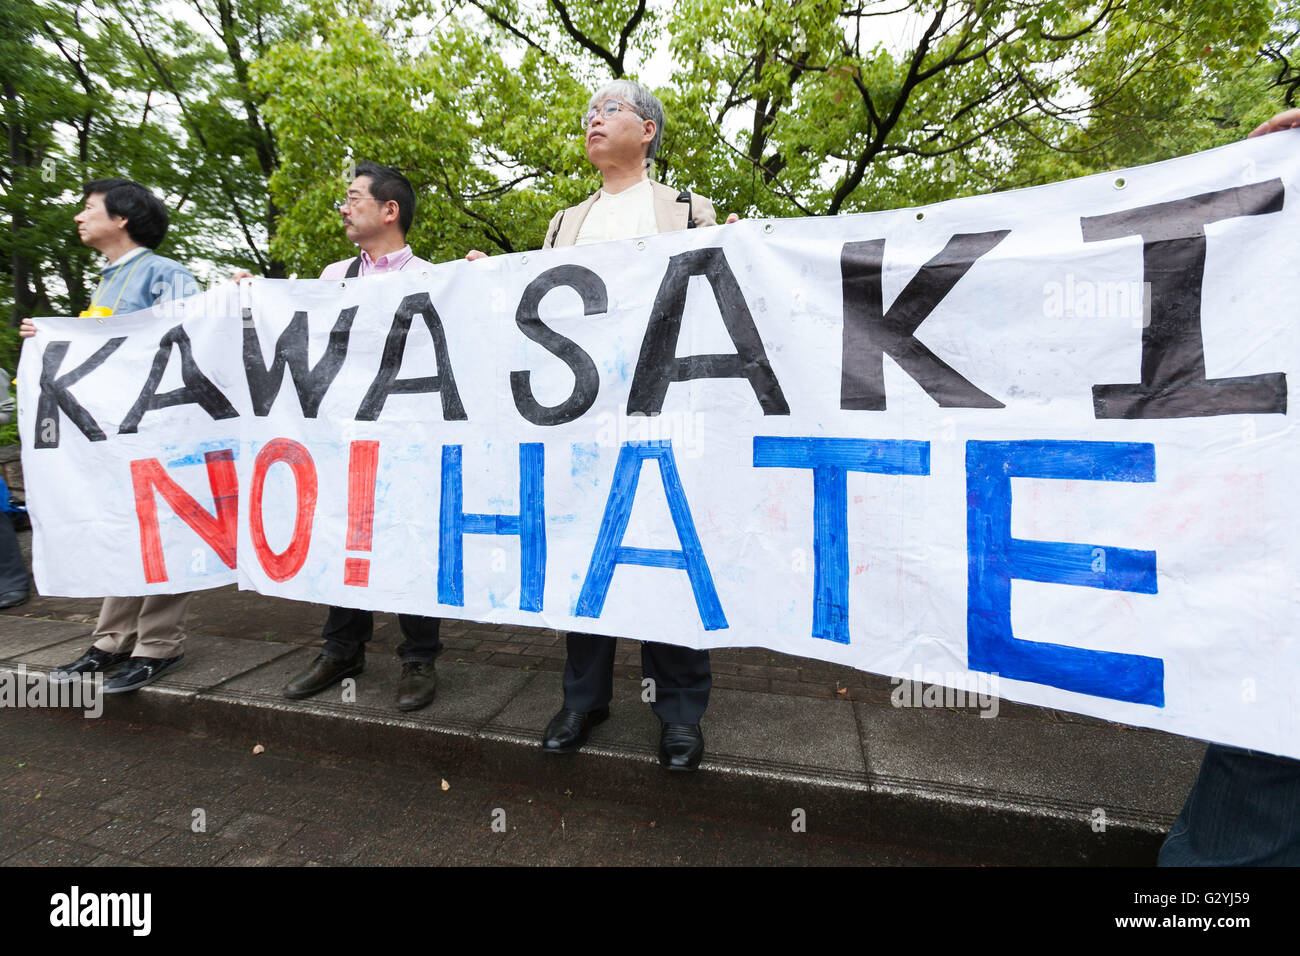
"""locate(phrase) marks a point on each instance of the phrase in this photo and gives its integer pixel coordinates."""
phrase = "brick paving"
(79, 792)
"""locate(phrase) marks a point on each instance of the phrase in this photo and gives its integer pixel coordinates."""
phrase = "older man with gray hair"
(624, 124)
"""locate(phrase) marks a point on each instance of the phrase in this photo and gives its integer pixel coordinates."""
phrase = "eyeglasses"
(607, 110)
(350, 200)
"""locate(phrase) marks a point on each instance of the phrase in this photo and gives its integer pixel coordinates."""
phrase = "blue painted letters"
(995, 558)
(529, 524)
(831, 459)
(610, 552)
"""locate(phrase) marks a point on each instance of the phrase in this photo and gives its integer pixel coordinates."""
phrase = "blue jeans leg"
(1244, 810)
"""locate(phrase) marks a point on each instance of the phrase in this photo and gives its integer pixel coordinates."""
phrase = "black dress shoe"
(681, 746)
(417, 685)
(14, 598)
(140, 671)
(568, 730)
(94, 661)
(324, 672)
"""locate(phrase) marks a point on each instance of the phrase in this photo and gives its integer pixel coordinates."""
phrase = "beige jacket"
(670, 213)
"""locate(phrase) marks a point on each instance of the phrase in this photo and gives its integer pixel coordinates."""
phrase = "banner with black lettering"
(1042, 435)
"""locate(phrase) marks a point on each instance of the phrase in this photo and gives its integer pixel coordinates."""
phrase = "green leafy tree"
(801, 106)
(1282, 51)
(1195, 76)
(52, 103)
(204, 74)
(776, 107)
(159, 94)
(482, 117)
(247, 114)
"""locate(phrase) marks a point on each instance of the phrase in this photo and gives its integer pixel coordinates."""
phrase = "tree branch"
(584, 41)
(510, 28)
(197, 130)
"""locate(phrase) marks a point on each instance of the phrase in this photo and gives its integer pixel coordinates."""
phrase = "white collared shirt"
(622, 215)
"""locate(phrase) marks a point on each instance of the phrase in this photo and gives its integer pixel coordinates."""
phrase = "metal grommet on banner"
(424, 273)
(640, 244)
(244, 291)
(1121, 182)
(524, 260)
(768, 228)
(343, 285)
(920, 216)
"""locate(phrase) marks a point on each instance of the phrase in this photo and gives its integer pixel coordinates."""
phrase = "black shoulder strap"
(559, 222)
(354, 268)
(685, 196)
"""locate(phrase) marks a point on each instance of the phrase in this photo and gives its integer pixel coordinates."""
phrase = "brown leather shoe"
(324, 672)
(417, 685)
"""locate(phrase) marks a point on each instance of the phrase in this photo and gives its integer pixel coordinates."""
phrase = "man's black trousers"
(347, 630)
(681, 675)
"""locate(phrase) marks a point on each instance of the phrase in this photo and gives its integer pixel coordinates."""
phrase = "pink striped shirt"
(403, 258)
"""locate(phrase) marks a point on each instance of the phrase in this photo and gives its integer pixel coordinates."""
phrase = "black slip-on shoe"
(94, 661)
(140, 671)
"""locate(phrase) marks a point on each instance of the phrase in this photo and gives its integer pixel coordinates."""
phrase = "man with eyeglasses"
(624, 125)
(377, 214)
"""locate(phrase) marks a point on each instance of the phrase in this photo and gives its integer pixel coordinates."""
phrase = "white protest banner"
(1042, 434)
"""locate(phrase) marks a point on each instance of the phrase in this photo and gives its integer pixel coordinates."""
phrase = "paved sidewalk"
(783, 733)
(95, 793)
